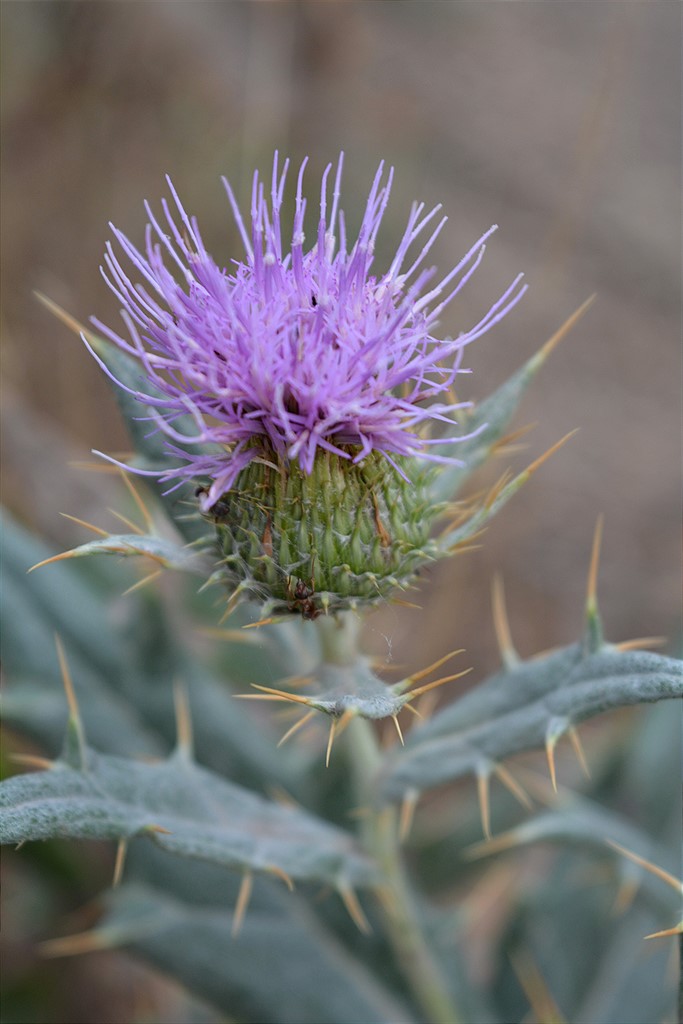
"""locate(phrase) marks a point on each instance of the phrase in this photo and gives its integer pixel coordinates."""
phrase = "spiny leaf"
(285, 967)
(123, 672)
(519, 708)
(165, 552)
(185, 809)
(495, 412)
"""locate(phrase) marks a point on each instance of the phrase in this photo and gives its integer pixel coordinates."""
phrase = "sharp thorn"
(143, 582)
(278, 694)
(279, 873)
(82, 522)
(74, 945)
(562, 331)
(242, 903)
(416, 676)
(536, 989)
(511, 783)
(398, 729)
(354, 909)
(407, 815)
(330, 741)
(484, 802)
(550, 742)
(667, 933)
(126, 521)
(120, 861)
(592, 585)
(537, 463)
(137, 498)
(641, 642)
(578, 750)
(184, 743)
(506, 648)
(297, 725)
(437, 682)
(32, 761)
(74, 713)
(653, 869)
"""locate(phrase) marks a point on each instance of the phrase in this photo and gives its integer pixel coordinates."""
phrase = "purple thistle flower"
(292, 350)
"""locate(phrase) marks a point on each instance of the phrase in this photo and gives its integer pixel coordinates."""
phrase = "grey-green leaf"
(285, 967)
(202, 815)
(521, 708)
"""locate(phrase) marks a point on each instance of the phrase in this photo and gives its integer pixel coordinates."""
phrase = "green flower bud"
(342, 536)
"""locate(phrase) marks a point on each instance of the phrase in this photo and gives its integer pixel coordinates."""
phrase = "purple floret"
(292, 350)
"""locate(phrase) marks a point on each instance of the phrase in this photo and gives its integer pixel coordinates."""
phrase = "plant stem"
(339, 638)
(380, 832)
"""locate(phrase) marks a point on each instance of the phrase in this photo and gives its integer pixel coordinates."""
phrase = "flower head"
(298, 386)
(293, 350)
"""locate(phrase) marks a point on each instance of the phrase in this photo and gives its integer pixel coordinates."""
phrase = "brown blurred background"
(556, 120)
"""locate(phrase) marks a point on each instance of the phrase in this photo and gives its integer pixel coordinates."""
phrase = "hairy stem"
(380, 832)
(339, 645)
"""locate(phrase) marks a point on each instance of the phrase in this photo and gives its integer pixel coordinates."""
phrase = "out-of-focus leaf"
(596, 966)
(284, 967)
(186, 810)
(123, 676)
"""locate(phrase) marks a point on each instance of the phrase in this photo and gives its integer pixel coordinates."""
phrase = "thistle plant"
(300, 455)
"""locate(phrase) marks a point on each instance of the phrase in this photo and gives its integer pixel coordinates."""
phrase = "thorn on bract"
(330, 741)
(82, 522)
(280, 873)
(563, 331)
(126, 521)
(137, 498)
(412, 694)
(398, 729)
(536, 989)
(537, 463)
(506, 648)
(653, 869)
(184, 742)
(506, 841)
(416, 676)
(150, 578)
(592, 585)
(243, 897)
(483, 776)
(74, 945)
(407, 815)
(75, 733)
(120, 861)
(578, 750)
(550, 742)
(511, 783)
(354, 909)
(667, 933)
(641, 643)
(297, 725)
(32, 761)
(270, 693)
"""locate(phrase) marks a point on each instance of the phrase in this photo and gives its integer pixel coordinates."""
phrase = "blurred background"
(557, 121)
